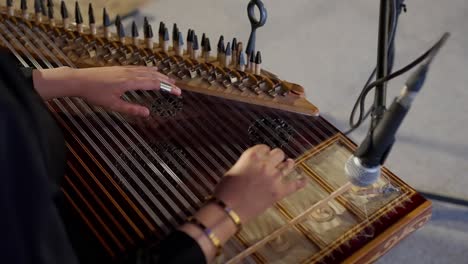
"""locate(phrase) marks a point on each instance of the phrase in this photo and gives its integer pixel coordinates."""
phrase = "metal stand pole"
(382, 61)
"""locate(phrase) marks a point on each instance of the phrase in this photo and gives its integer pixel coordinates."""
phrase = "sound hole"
(274, 132)
(166, 106)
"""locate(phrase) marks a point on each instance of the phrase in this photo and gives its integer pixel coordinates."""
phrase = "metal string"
(95, 132)
(155, 155)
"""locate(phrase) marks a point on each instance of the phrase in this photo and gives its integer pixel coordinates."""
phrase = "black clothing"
(32, 162)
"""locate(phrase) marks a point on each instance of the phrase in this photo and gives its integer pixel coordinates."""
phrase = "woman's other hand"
(255, 182)
(102, 86)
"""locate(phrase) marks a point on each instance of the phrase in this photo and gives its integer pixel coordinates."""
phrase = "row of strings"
(79, 113)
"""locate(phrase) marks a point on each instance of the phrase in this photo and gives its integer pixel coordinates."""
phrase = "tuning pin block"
(64, 13)
(92, 20)
(78, 18)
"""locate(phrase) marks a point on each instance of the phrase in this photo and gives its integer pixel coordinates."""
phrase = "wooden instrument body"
(129, 181)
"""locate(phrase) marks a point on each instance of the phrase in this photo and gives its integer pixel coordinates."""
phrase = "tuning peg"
(24, 9)
(190, 34)
(38, 11)
(92, 20)
(203, 40)
(50, 13)
(117, 22)
(149, 37)
(162, 26)
(145, 26)
(43, 5)
(10, 8)
(252, 61)
(234, 51)
(135, 33)
(241, 66)
(196, 48)
(207, 49)
(106, 23)
(175, 35)
(202, 45)
(180, 44)
(258, 63)
(78, 18)
(221, 52)
(166, 40)
(228, 55)
(221, 48)
(121, 31)
(64, 13)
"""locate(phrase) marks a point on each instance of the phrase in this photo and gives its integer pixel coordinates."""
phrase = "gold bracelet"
(231, 213)
(208, 232)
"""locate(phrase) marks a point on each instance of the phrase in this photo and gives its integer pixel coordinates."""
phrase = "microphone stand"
(379, 107)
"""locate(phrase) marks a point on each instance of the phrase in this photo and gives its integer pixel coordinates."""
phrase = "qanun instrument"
(130, 181)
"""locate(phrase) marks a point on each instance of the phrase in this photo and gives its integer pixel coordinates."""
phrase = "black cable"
(397, 8)
(444, 198)
(429, 54)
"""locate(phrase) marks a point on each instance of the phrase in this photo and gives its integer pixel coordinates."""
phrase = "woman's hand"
(101, 86)
(252, 185)
(255, 182)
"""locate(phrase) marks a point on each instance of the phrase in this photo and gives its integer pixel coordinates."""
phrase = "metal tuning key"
(254, 22)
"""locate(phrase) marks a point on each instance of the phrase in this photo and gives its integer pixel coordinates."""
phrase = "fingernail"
(145, 112)
(172, 81)
(176, 90)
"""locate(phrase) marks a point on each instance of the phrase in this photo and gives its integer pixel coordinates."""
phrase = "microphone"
(363, 168)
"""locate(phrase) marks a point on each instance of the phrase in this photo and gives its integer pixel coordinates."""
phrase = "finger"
(276, 157)
(286, 167)
(261, 150)
(292, 187)
(124, 107)
(149, 72)
(142, 83)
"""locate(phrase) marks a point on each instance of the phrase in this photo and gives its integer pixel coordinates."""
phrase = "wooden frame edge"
(393, 235)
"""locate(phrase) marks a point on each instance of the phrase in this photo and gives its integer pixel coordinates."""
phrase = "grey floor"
(329, 47)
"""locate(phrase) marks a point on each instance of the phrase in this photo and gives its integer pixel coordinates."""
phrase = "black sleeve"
(32, 162)
(177, 248)
(30, 226)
